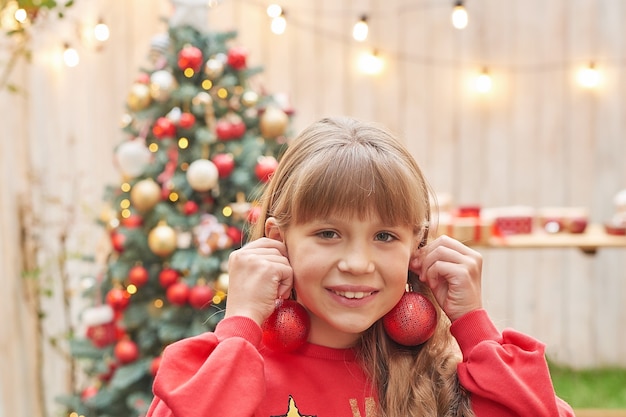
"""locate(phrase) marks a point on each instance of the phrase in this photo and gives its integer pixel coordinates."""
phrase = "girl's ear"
(272, 230)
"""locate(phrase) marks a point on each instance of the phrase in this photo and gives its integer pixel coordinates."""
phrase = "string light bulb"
(460, 18)
(483, 82)
(371, 63)
(70, 56)
(279, 24)
(360, 29)
(274, 10)
(589, 76)
(101, 31)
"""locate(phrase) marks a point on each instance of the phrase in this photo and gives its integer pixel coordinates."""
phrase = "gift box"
(511, 220)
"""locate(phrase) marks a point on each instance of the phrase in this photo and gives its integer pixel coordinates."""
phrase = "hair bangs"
(357, 180)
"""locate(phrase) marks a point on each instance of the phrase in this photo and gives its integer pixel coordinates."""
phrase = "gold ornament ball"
(145, 194)
(214, 68)
(162, 240)
(273, 122)
(138, 97)
(249, 98)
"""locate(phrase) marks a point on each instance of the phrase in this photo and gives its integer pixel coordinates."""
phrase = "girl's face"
(348, 273)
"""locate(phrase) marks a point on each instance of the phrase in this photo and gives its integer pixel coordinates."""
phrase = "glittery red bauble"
(190, 57)
(236, 57)
(118, 299)
(225, 163)
(168, 276)
(287, 328)
(200, 296)
(126, 351)
(178, 293)
(138, 276)
(412, 321)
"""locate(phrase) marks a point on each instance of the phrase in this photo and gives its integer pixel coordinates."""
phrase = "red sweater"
(226, 374)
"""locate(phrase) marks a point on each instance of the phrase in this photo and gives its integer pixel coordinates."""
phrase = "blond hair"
(345, 167)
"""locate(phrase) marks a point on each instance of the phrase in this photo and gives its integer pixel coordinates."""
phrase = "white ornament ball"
(162, 83)
(202, 175)
(132, 158)
(96, 316)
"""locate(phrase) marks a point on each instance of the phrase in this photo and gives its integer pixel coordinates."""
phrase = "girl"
(344, 222)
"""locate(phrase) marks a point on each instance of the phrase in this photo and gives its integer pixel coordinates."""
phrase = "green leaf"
(127, 375)
(83, 348)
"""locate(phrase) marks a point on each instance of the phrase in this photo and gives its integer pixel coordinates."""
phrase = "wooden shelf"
(590, 241)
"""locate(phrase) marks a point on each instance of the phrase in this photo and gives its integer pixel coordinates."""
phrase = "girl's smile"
(348, 273)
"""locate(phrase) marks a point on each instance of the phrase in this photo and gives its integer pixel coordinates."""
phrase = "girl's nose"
(356, 261)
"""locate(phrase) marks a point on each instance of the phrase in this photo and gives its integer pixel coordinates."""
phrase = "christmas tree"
(200, 141)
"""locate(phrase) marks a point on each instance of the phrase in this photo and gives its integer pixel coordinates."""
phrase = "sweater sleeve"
(207, 374)
(506, 374)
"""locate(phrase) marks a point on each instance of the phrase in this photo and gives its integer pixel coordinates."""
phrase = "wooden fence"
(538, 139)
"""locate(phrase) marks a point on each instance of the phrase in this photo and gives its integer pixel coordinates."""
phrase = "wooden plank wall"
(538, 139)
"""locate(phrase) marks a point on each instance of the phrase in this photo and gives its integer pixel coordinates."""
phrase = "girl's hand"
(453, 273)
(259, 273)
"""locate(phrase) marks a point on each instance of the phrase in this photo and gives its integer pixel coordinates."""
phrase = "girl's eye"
(327, 234)
(385, 237)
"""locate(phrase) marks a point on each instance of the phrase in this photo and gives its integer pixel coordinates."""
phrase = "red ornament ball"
(223, 130)
(118, 241)
(133, 221)
(154, 365)
(126, 351)
(236, 57)
(190, 207)
(265, 167)
(88, 392)
(253, 214)
(412, 321)
(102, 335)
(118, 299)
(168, 276)
(235, 234)
(287, 328)
(178, 293)
(187, 120)
(190, 57)
(164, 128)
(225, 163)
(200, 296)
(138, 276)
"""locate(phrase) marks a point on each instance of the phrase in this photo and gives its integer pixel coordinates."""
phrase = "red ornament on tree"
(168, 276)
(190, 207)
(225, 163)
(118, 299)
(154, 365)
(235, 234)
(88, 392)
(117, 241)
(133, 221)
(224, 130)
(412, 321)
(126, 351)
(187, 120)
(178, 293)
(236, 58)
(102, 335)
(254, 214)
(138, 276)
(190, 57)
(200, 296)
(287, 328)
(265, 167)
(164, 128)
